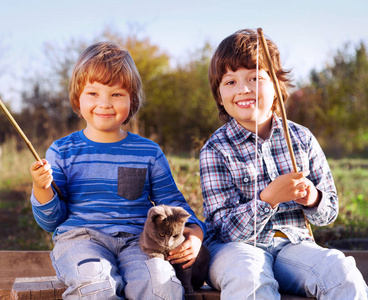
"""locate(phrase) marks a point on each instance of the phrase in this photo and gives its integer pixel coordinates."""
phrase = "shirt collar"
(238, 134)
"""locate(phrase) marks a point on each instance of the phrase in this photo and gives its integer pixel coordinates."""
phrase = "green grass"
(14, 165)
(350, 175)
(186, 174)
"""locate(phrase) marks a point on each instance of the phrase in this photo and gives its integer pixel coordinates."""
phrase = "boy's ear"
(274, 104)
(220, 101)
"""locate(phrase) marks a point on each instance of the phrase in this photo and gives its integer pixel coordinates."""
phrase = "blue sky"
(308, 33)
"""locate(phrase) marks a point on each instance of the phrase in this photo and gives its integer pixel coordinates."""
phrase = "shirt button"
(266, 210)
(246, 179)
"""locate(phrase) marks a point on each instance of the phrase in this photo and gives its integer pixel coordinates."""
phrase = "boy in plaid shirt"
(240, 207)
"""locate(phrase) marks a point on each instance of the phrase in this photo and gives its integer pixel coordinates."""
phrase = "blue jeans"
(95, 265)
(306, 269)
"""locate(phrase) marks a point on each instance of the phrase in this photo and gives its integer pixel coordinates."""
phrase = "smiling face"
(104, 108)
(238, 96)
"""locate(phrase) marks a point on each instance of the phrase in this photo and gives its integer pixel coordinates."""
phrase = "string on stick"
(256, 170)
(26, 140)
(283, 112)
(256, 153)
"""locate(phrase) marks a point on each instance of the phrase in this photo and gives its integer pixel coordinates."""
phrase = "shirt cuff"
(263, 208)
(319, 207)
(46, 205)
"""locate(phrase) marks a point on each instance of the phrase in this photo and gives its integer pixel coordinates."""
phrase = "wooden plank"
(193, 296)
(37, 288)
(59, 288)
(15, 264)
(210, 294)
(37, 268)
(20, 295)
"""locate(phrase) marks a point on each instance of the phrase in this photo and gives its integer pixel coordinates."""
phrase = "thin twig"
(279, 97)
(26, 140)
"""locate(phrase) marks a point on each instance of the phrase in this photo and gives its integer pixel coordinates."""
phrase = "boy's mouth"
(104, 115)
(245, 103)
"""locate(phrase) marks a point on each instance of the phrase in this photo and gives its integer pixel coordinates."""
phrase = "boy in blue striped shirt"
(108, 179)
(243, 210)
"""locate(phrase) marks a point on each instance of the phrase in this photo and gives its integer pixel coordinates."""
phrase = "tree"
(180, 110)
(334, 104)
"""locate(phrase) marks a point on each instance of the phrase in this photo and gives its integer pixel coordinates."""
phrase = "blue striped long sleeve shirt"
(107, 186)
(231, 191)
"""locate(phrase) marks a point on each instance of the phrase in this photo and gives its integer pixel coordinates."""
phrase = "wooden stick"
(26, 140)
(279, 97)
(283, 112)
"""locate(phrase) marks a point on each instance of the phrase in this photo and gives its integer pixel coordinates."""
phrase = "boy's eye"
(255, 78)
(230, 82)
(120, 94)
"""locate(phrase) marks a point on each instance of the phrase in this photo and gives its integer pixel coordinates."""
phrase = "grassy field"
(19, 231)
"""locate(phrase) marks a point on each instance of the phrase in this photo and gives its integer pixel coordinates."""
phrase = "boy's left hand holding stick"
(39, 162)
(42, 179)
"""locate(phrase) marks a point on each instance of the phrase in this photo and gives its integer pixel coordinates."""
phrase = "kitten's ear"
(181, 214)
(156, 214)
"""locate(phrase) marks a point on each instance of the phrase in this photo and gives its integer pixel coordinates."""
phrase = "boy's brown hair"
(109, 64)
(239, 50)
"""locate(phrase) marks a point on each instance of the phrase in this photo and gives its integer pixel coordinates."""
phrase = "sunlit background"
(307, 32)
(324, 42)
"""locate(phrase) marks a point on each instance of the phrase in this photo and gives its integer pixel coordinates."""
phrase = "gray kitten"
(163, 231)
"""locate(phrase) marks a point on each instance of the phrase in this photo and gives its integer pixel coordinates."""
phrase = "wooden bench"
(49, 288)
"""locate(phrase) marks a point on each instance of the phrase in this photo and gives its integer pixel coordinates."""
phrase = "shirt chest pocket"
(242, 176)
(131, 182)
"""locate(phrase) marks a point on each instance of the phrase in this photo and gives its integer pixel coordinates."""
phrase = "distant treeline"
(179, 112)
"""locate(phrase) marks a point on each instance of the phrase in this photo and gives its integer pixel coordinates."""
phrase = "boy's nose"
(244, 89)
(105, 102)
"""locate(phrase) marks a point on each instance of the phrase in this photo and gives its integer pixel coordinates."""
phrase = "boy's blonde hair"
(109, 64)
(239, 50)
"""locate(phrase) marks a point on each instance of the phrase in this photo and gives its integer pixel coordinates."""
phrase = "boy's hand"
(41, 174)
(189, 249)
(313, 196)
(42, 179)
(289, 187)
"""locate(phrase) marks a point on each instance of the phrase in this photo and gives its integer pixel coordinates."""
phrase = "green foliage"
(180, 108)
(14, 164)
(350, 176)
(186, 174)
(334, 104)
(19, 231)
(179, 112)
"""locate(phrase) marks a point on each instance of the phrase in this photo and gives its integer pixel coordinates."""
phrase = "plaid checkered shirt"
(228, 169)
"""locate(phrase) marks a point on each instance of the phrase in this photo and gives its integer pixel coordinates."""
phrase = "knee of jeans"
(338, 263)
(95, 278)
(347, 267)
(337, 269)
(337, 275)
(91, 267)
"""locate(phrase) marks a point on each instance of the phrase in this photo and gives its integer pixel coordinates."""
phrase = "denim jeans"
(238, 269)
(95, 265)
